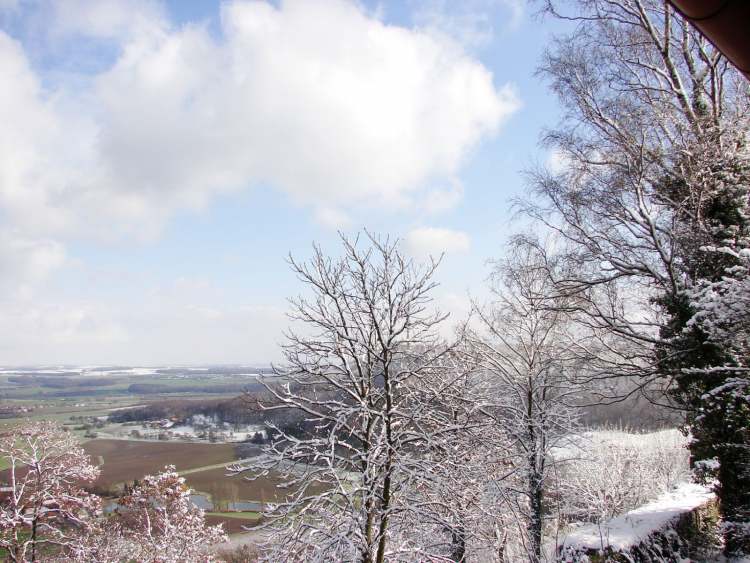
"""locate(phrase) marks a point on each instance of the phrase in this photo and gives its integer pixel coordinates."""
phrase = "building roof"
(725, 23)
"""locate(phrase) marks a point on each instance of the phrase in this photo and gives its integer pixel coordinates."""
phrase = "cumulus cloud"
(470, 22)
(183, 321)
(31, 147)
(332, 218)
(29, 259)
(431, 241)
(458, 308)
(316, 98)
(439, 200)
(516, 11)
(31, 173)
(108, 19)
(8, 5)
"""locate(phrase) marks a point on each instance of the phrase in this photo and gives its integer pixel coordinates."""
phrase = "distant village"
(195, 428)
(13, 411)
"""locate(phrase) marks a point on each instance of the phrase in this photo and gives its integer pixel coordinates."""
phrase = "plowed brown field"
(125, 460)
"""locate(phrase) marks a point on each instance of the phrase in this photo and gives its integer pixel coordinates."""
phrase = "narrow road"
(216, 466)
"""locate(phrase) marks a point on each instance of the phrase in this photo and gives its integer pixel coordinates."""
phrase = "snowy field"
(633, 527)
(617, 487)
(582, 445)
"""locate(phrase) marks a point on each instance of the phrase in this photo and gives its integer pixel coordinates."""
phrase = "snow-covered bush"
(678, 526)
(155, 522)
(607, 473)
(43, 506)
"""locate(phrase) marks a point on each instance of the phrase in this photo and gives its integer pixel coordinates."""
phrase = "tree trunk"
(367, 553)
(536, 495)
(458, 544)
(388, 469)
(33, 540)
(384, 512)
(536, 498)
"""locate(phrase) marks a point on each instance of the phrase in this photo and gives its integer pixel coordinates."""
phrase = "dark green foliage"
(711, 209)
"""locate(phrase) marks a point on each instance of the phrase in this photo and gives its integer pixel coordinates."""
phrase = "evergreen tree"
(709, 366)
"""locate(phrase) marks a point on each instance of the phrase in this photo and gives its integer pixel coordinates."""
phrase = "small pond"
(204, 502)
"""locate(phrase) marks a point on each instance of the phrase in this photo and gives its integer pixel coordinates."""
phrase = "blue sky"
(160, 160)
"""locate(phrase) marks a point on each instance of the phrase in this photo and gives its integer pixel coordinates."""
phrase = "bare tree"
(651, 182)
(610, 472)
(654, 117)
(43, 503)
(526, 344)
(369, 372)
(466, 490)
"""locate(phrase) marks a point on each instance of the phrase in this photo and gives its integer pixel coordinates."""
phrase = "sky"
(159, 160)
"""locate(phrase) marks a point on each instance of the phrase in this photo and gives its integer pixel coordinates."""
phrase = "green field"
(34, 387)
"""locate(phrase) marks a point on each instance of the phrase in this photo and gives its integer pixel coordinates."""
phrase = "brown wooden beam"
(725, 23)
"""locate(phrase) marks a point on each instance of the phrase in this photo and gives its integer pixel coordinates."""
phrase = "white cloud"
(315, 98)
(30, 260)
(431, 241)
(183, 321)
(332, 218)
(333, 107)
(8, 5)
(516, 11)
(440, 200)
(107, 19)
(469, 22)
(30, 174)
(56, 331)
(456, 304)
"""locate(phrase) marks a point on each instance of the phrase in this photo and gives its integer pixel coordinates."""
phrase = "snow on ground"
(133, 371)
(125, 408)
(577, 445)
(240, 435)
(635, 526)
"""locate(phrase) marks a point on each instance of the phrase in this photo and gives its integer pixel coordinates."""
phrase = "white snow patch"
(128, 407)
(632, 528)
(577, 446)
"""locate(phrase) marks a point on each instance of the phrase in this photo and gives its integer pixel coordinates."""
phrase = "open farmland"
(33, 386)
(216, 483)
(227, 489)
(125, 460)
(233, 523)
